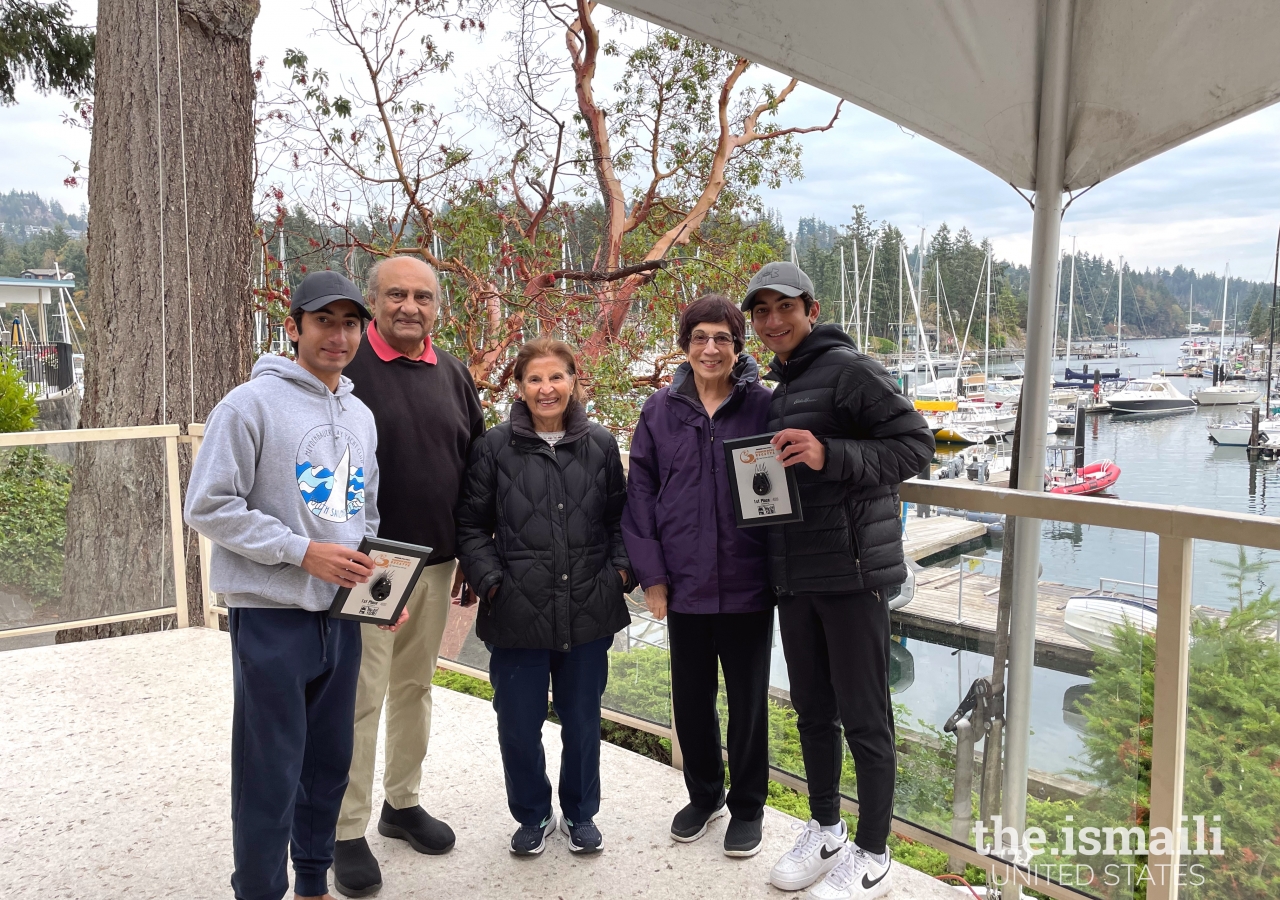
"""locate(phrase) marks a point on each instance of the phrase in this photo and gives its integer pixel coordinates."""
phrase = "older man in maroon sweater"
(427, 413)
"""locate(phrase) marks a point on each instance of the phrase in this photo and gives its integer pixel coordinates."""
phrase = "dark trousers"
(837, 649)
(740, 642)
(577, 680)
(291, 735)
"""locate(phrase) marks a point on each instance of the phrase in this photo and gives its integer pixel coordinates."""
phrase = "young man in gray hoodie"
(285, 487)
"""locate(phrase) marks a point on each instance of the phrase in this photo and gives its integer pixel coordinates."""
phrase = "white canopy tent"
(1144, 76)
(1056, 94)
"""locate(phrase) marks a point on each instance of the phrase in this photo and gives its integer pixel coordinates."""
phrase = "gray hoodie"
(284, 462)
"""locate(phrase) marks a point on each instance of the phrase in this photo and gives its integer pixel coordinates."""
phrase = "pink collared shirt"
(386, 352)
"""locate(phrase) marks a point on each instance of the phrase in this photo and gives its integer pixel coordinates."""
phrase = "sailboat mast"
(937, 305)
(844, 315)
(871, 283)
(986, 353)
(1222, 344)
(1271, 337)
(1120, 312)
(1057, 307)
(1071, 299)
(902, 380)
(857, 297)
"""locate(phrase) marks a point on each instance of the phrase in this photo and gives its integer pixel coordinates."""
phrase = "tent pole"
(1046, 233)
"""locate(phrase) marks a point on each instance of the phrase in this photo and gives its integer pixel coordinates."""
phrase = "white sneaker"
(815, 853)
(857, 877)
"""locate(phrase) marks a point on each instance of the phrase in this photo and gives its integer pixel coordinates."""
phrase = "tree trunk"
(154, 353)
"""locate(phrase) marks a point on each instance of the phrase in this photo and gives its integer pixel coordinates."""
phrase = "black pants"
(837, 649)
(741, 642)
(294, 680)
(577, 679)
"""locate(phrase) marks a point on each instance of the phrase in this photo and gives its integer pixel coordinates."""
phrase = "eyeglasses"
(722, 340)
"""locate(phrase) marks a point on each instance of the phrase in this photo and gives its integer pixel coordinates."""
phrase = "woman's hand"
(655, 598)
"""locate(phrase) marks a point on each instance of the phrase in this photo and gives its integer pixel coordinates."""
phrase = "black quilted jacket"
(545, 526)
(851, 536)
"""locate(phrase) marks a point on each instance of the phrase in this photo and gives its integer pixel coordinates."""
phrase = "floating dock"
(933, 535)
(941, 611)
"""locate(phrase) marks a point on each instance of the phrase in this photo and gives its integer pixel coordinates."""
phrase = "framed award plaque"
(381, 599)
(764, 492)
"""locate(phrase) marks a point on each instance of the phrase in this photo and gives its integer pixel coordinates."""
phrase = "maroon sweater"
(427, 416)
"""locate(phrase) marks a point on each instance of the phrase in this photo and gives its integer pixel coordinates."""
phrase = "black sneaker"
(355, 869)
(691, 822)
(424, 832)
(743, 838)
(584, 837)
(531, 840)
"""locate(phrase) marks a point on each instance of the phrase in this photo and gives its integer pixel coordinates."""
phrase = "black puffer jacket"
(851, 538)
(545, 526)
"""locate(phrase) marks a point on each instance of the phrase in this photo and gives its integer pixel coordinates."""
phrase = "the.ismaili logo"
(330, 473)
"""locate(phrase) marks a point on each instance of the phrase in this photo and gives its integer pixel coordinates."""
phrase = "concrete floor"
(114, 776)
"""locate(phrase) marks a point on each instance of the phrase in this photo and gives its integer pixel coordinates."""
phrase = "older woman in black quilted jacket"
(540, 541)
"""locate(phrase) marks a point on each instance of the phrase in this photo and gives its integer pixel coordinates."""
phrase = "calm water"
(1167, 459)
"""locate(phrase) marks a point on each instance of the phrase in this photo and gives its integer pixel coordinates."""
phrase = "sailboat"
(334, 507)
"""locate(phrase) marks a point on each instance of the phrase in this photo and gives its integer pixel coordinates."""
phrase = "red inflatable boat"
(1090, 479)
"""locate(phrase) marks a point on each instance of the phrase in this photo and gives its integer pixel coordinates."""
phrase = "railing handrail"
(1154, 518)
(86, 435)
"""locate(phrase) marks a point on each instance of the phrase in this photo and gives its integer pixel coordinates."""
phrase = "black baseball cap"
(319, 289)
(783, 277)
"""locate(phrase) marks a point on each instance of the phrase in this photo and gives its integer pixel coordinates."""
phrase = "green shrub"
(18, 409)
(33, 523)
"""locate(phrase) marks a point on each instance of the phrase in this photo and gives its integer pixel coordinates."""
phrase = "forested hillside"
(1156, 303)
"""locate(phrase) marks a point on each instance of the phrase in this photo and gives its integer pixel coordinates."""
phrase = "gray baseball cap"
(783, 277)
(319, 289)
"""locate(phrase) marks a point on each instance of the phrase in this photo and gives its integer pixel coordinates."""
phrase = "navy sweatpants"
(577, 681)
(291, 735)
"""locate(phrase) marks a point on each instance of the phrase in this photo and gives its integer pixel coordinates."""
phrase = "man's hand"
(404, 617)
(459, 581)
(797, 446)
(337, 564)
(656, 599)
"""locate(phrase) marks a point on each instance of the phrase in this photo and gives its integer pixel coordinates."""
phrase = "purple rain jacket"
(679, 525)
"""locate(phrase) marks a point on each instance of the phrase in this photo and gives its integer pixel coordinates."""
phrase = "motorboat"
(1236, 434)
(1090, 479)
(1151, 396)
(1229, 394)
(1065, 416)
(966, 433)
(1092, 618)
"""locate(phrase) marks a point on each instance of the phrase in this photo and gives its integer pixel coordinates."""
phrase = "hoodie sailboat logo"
(330, 473)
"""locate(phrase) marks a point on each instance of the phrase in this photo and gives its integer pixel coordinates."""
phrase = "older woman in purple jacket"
(706, 576)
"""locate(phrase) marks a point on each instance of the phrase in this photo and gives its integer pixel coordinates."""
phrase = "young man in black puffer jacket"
(853, 438)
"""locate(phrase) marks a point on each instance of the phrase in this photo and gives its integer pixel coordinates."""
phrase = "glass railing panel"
(84, 533)
(1231, 797)
(639, 673)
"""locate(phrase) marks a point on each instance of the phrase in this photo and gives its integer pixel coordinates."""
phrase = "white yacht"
(1151, 396)
(1226, 394)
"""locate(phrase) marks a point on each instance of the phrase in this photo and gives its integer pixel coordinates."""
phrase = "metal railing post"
(1169, 716)
(175, 529)
(962, 792)
(960, 594)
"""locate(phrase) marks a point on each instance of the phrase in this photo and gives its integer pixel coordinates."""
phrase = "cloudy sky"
(1213, 200)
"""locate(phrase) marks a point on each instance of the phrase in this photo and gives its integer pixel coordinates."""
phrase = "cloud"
(1200, 204)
